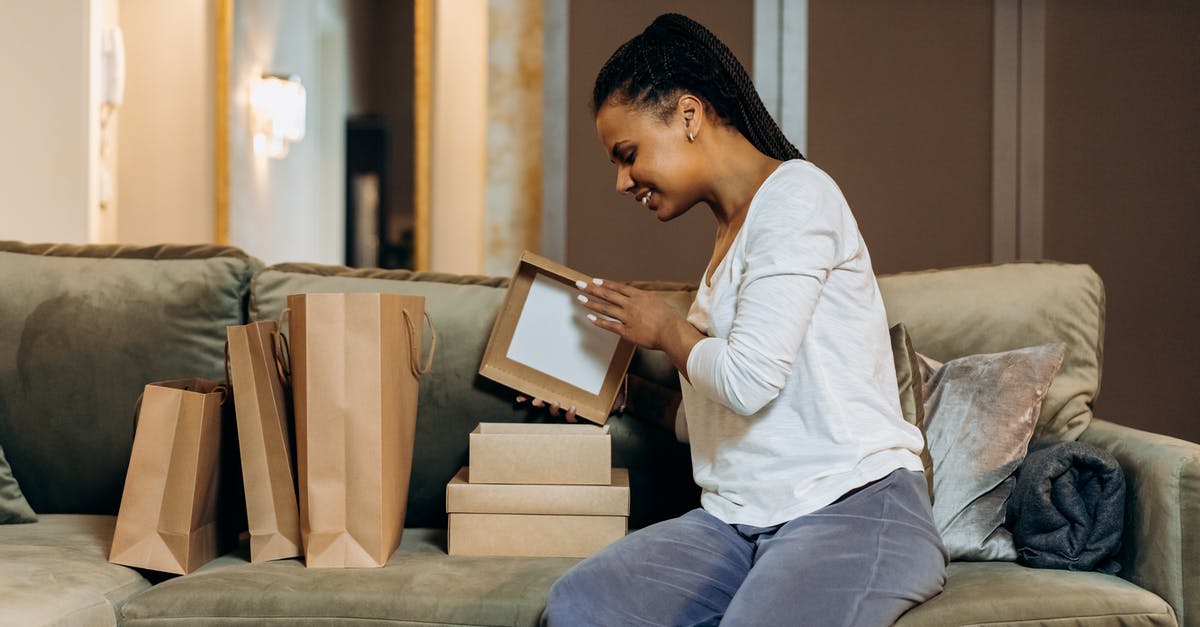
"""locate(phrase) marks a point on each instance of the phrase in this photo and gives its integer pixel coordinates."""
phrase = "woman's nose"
(625, 182)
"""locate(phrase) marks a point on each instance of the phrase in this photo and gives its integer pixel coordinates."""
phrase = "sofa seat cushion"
(1005, 593)
(56, 572)
(420, 585)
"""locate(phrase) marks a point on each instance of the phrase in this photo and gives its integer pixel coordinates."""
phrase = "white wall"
(46, 120)
(290, 209)
(167, 122)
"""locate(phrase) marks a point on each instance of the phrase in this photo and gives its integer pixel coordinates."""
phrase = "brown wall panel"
(1123, 194)
(900, 101)
(609, 234)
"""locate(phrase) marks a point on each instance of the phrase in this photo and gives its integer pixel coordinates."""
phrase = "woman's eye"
(629, 156)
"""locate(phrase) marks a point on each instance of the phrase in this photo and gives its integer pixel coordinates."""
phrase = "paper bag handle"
(228, 371)
(282, 349)
(414, 341)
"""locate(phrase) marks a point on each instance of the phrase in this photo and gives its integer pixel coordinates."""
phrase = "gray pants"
(863, 560)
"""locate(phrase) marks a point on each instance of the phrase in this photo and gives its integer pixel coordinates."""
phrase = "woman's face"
(656, 164)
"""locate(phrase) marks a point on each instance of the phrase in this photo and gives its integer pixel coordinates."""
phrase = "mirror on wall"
(319, 130)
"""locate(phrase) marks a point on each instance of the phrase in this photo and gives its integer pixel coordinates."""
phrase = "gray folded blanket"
(1067, 508)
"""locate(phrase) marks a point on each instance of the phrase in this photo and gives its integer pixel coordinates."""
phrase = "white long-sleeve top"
(792, 398)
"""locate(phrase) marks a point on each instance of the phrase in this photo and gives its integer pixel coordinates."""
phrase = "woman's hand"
(641, 317)
(554, 409)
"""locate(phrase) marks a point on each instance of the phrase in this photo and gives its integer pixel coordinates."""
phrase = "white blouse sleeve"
(794, 243)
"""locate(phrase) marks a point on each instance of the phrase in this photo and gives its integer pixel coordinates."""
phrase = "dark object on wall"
(1067, 509)
(374, 237)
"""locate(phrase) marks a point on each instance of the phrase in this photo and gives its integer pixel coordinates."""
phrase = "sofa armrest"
(1160, 549)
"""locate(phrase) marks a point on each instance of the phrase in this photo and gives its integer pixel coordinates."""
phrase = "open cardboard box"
(524, 453)
(543, 345)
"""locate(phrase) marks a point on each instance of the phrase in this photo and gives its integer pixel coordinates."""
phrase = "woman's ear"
(691, 112)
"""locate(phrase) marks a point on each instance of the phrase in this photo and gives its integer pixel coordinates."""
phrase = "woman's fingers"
(607, 325)
(553, 409)
(608, 290)
(601, 307)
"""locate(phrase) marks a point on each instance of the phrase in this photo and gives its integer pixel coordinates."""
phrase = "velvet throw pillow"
(13, 507)
(980, 413)
(910, 385)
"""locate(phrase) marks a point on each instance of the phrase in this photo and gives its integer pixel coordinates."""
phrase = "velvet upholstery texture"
(56, 572)
(1160, 547)
(82, 330)
(991, 309)
(420, 585)
(1006, 594)
(454, 398)
(13, 506)
(979, 416)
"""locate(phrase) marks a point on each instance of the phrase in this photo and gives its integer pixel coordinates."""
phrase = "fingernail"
(598, 281)
(582, 298)
(592, 317)
(581, 285)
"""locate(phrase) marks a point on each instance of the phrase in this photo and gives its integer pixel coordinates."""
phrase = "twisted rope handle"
(228, 369)
(414, 342)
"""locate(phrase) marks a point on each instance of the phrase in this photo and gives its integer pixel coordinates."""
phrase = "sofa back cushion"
(454, 398)
(82, 330)
(991, 309)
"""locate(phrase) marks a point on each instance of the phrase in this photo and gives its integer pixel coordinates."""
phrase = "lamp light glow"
(277, 112)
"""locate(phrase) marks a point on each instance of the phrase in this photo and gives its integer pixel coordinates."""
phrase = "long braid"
(676, 53)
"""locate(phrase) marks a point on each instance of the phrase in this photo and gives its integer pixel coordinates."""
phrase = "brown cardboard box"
(533, 535)
(462, 496)
(540, 454)
(543, 346)
(535, 520)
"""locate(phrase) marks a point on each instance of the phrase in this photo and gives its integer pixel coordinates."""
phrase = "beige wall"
(166, 128)
(607, 234)
(46, 120)
(458, 161)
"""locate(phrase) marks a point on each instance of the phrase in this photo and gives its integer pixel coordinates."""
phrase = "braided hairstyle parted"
(675, 54)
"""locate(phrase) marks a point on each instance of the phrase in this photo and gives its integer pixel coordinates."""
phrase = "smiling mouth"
(645, 198)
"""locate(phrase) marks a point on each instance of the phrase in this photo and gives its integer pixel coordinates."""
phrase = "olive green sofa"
(83, 328)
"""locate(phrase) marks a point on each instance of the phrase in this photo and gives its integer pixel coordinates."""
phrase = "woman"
(813, 509)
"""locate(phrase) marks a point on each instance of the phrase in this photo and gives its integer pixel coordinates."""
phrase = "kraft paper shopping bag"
(264, 439)
(168, 515)
(355, 370)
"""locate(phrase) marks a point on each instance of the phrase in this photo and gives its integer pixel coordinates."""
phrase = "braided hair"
(676, 53)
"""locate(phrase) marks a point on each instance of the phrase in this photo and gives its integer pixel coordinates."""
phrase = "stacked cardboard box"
(537, 490)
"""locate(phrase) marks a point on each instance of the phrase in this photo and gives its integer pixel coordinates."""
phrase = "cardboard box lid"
(551, 351)
(541, 454)
(462, 496)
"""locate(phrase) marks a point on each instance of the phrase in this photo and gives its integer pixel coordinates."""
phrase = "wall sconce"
(276, 114)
